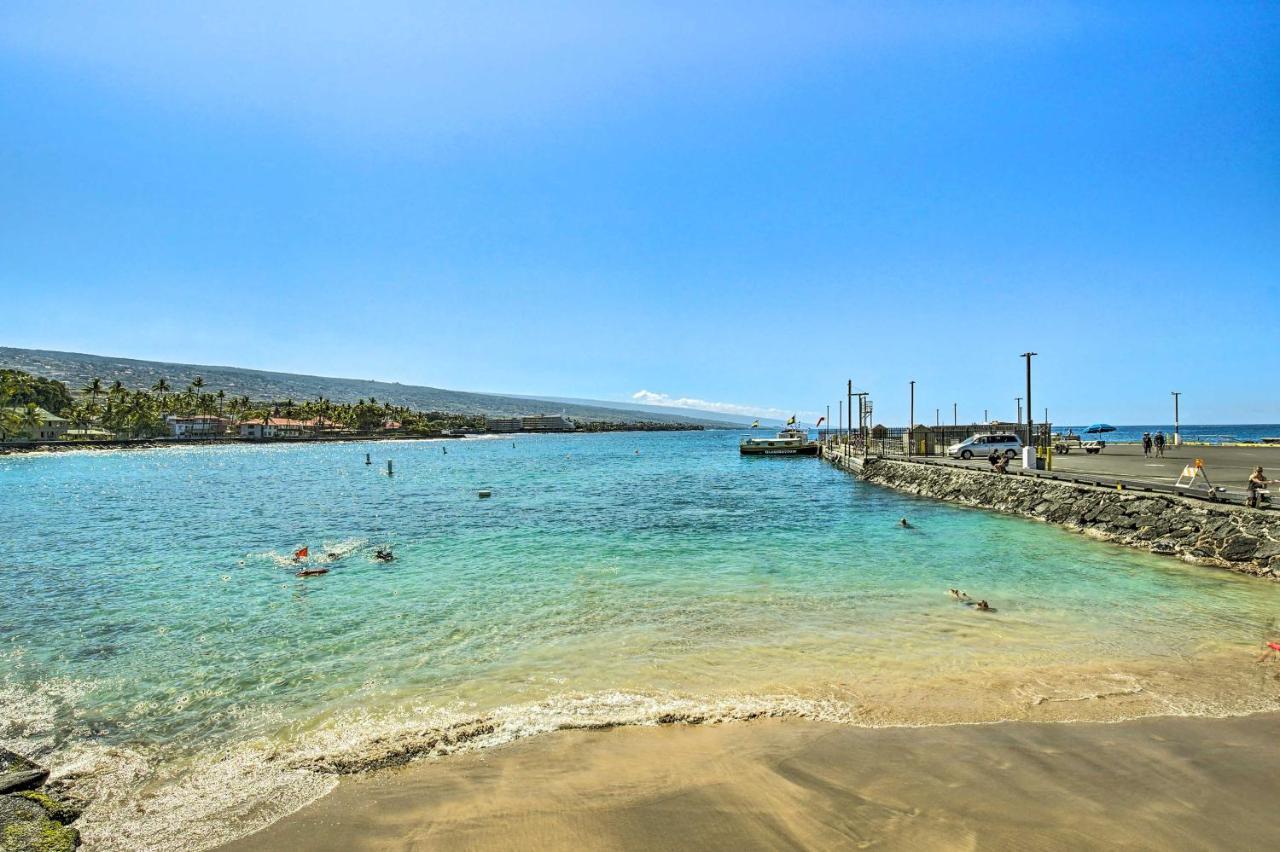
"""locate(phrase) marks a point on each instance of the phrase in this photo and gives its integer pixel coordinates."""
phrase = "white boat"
(788, 442)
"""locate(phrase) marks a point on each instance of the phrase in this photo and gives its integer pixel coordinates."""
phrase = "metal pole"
(1028, 356)
(955, 418)
(1019, 419)
(828, 419)
(840, 417)
(911, 427)
(849, 410)
(1177, 435)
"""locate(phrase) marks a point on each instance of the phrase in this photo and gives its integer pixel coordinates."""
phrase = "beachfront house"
(197, 426)
(278, 427)
(43, 426)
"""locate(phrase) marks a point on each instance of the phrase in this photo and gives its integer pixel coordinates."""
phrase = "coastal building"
(547, 423)
(47, 426)
(89, 433)
(502, 424)
(278, 427)
(197, 426)
(530, 423)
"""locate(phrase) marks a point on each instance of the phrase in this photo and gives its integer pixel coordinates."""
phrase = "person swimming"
(904, 523)
(383, 554)
(959, 595)
(983, 605)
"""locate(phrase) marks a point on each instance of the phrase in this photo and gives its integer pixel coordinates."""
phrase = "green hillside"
(76, 369)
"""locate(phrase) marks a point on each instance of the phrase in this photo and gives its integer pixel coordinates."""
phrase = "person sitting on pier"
(1001, 465)
(994, 458)
(1257, 483)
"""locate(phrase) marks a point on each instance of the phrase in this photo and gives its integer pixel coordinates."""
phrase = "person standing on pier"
(1146, 444)
(1160, 444)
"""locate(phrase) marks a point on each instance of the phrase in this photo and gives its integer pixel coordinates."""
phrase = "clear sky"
(743, 203)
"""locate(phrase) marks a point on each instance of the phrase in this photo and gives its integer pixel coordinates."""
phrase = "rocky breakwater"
(33, 817)
(1233, 537)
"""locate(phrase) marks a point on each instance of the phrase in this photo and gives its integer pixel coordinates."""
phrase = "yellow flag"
(792, 421)
(755, 424)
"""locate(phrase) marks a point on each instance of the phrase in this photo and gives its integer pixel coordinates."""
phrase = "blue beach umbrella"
(1099, 428)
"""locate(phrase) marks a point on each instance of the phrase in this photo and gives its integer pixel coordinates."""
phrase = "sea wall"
(1233, 537)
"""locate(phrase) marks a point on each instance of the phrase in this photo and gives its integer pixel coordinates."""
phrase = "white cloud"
(647, 397)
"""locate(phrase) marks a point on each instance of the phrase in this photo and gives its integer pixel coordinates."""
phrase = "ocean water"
(157, 650)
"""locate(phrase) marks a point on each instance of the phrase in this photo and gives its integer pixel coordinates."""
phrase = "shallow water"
(157, 649)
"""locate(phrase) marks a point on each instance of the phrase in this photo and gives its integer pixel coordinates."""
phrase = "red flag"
(819, 423)
(300, 554)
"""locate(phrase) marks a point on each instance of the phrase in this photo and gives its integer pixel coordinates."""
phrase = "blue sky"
(736, 203)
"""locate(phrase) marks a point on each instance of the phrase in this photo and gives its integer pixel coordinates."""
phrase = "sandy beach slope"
(1169, 783)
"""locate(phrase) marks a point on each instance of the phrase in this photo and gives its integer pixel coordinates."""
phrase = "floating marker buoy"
(485, 493)
(390, 472)
(367, 460)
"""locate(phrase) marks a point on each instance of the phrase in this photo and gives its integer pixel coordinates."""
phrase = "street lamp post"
(911, 426)
(955, 418)
(1018, 419)
(1177, 435)
(1028, 356)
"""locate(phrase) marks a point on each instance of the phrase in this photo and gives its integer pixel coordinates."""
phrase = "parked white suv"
(1006, 443)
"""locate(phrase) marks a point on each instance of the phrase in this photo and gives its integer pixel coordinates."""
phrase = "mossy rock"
(25, 827)
(64, 811)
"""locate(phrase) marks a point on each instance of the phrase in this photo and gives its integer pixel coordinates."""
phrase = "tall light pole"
(911, 426)
(1018, 419)
(1029, 356)
(955, 418)
(849, 412)
(1177, 436)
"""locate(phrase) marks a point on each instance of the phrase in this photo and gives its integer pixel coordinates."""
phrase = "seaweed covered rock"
(63, 810)
(25, 826)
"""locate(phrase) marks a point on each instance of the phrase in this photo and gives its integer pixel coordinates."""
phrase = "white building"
(197, 426)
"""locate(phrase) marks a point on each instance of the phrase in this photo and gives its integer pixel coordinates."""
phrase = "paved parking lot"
(1229, 467)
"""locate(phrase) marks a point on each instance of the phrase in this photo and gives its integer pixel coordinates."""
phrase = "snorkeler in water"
(905, 523)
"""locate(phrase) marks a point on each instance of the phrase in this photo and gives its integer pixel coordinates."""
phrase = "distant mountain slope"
(738, 419)
(76, 369)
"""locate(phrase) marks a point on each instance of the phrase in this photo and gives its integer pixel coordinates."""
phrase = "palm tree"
(161, 387)
(30, 419)
(94, 387)
(222, 395)
(10, 423)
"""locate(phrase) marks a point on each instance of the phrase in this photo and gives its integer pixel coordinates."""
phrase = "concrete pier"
(1225, 536)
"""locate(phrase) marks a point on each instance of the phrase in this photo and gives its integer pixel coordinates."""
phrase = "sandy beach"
(1165, 783)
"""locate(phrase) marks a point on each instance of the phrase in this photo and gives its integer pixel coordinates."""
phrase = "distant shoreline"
(53, 447)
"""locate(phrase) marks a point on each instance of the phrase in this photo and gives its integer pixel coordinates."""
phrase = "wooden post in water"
(390, 471)
(367, 460)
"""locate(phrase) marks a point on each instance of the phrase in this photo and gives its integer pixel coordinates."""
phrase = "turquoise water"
(157, 649)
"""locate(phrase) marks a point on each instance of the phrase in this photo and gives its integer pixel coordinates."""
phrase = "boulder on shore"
(19, 773)
(26, 827)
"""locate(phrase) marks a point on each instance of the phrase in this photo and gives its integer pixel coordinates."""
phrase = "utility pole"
(1028, 356)
(862, 421)
(955, 418)
(985, 419)
(1177, 435)
(839, 417)
(911, 426)
(828, 419)
(849, 410)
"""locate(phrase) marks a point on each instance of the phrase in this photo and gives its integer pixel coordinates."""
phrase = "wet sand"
(1169, 783)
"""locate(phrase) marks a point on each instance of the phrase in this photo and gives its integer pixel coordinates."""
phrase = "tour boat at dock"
(788, 442)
